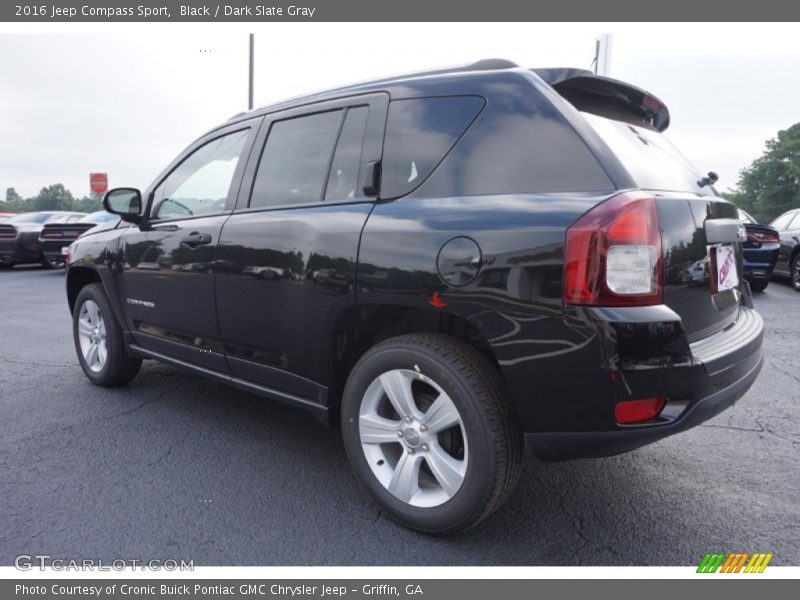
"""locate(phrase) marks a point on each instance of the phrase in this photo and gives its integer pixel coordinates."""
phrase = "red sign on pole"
(98, 182)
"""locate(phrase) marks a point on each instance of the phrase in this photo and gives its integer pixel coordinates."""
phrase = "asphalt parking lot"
(174, 466)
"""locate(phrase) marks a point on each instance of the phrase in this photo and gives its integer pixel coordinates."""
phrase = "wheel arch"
(78, 277)
(361, 326)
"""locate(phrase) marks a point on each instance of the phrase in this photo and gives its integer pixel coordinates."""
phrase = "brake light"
(629, 412)
(762, 237)
(613, 254)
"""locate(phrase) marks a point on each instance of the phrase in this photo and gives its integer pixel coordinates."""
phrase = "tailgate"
(696, 233)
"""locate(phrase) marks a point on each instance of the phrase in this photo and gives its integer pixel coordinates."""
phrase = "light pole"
(250, 87)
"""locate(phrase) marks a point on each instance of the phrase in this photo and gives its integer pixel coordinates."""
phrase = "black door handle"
(195, 239)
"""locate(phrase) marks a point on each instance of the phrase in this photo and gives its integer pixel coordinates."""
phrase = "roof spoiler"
(607, 97)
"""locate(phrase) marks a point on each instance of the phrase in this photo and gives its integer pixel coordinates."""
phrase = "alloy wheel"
(796, 273)
(92, 336)
(413, 438)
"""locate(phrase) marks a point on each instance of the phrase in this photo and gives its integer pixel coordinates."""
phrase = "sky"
(126, 99)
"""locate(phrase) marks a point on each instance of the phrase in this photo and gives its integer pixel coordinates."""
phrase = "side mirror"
(125, 202)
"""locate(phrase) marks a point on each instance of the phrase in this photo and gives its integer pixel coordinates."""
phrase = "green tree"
(12, 197)
(88, 204)
(53, 197)
(771, 185)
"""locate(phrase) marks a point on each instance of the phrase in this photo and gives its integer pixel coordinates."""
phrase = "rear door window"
(419, 134)
(295, 160)
(343, 177)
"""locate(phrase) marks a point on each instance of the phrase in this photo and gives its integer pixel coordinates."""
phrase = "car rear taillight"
(613, 254)
(763, 236)
(630, 412)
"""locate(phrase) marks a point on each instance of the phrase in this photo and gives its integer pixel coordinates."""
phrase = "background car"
(788, 263)
(5, 215)
(19, 236)
(56, 236)
(760, 251)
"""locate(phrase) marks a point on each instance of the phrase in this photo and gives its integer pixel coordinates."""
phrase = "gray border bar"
(708, 586)
(397, 10)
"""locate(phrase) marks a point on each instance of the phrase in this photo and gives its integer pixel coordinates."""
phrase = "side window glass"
(295, 159)
(343, 177)
(201, 183)
(419, 134)
(795, 224)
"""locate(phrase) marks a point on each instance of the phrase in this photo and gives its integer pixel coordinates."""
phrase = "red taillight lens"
(613, 254)
(638, 411)
(763, 237)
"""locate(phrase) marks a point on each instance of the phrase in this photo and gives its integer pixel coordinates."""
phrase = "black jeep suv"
(444, 263)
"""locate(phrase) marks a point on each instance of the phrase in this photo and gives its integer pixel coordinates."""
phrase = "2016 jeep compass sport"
(444, 263)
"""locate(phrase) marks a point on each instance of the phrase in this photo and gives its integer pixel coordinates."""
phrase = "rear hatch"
(697, 284)
(700, 234)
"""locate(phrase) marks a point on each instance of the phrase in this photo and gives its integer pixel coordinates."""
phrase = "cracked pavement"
(175, 466)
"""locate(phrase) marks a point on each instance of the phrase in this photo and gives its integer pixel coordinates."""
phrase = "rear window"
(98, 217)
(782, 222)
(419, 134)
(652, 161)
(30, 218)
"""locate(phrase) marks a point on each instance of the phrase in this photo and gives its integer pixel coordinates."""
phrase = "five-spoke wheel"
(429, 430)
(413, 438)
(92, 335)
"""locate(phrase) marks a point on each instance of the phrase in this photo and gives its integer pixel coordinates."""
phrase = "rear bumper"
(52, 248)
(718, 370)
(22, 249)
(758, 262)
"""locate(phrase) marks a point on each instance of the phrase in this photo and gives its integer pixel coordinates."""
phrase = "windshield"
(30, 218)
(652, 161)
(100, 216)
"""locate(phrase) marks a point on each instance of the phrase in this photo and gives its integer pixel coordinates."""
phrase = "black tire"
(49, 263)
(476, 388)
(119, 367)
(759, 285)
(794, 272)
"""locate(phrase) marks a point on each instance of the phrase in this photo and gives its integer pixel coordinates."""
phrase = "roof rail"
(486, 64)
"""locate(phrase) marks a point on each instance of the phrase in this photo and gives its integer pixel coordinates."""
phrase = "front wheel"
(759, 285)
(98, 340)
(429, 430)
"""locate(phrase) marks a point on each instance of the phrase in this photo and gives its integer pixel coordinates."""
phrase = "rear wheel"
(759, 285)
(794, 275)
(52, 263)
(429, 430)
(98, 340)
